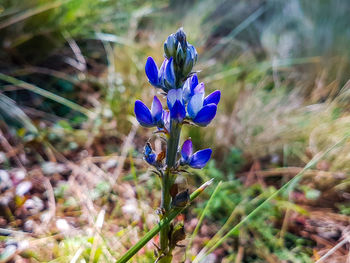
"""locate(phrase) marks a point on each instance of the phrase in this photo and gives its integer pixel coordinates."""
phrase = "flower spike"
(186, 101)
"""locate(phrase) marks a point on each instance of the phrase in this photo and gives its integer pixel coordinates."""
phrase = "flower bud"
(188, 64)
(180, 55)
(181, 38)
(170, 46)
(191, 49)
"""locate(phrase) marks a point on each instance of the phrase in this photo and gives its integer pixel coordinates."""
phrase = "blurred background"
(73, 185)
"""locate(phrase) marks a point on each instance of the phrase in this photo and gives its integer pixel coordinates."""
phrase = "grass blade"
(204, 212)
(9, 110)
(46, 94)
(31, 12)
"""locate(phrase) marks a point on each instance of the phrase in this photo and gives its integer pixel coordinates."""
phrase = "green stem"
(162, 223)
(168, 180)
(173, 144)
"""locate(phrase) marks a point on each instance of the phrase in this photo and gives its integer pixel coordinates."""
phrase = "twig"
(240, 254)
(80, 62)
(51, 197)
(331, 251)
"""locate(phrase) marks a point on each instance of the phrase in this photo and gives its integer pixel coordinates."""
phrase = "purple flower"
(195, 160)
(176, 105)
(202, 110)
(147, 117)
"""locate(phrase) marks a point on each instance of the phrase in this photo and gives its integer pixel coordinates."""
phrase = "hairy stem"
(167, 181)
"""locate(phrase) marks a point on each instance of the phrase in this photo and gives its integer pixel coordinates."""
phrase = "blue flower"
(202, 110)
(195, 160)
(163, 78)
(149, 155)
(147, 117)
(176, 105)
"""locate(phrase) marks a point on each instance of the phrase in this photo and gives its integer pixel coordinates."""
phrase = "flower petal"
(200, 88)
(199, 159)
(166, 120)
(161, 73)
(193, 50)
(170, 45)
(195, 105)
(205, 115)
(189, 86)
(151, 158)
(170, 73)
(194, 81)
(187, 90)
(186, 151)
(148, 149)
(156, 110)
(143, 114)
(173, 96)
(151, 70)
(178, 111)
(213, 97)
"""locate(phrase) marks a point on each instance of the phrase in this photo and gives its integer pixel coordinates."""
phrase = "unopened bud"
(188, 64)
(180, 55)
(181, 37)
(170, 46)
